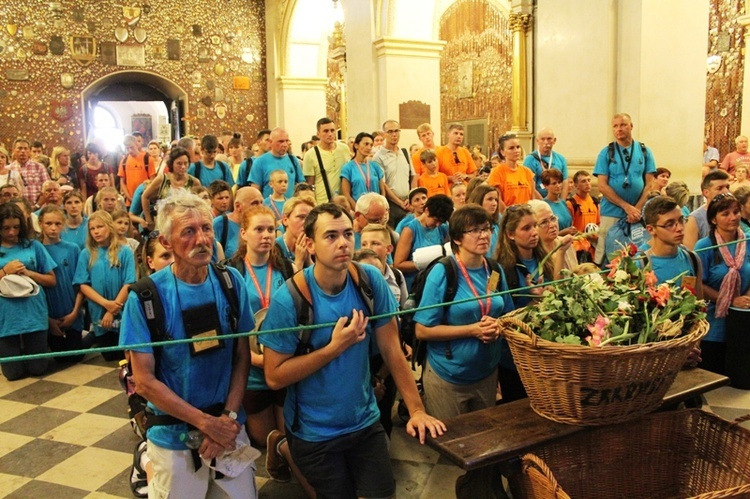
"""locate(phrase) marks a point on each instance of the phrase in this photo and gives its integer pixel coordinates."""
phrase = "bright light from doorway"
(105, 129)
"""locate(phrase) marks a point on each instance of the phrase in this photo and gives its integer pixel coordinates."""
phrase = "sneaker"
(276, 466)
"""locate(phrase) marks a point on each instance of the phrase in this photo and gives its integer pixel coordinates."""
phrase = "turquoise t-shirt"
(338, 398)
(277, 207)
(61, 298)
(625, 178)
(78, 235)
(265, 165)
(560, 209)
(25, 315)
(232, 242)
(472, 360)
(201, 380)
(220, 171)
(357, 175)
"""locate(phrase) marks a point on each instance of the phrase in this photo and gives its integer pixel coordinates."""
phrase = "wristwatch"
(231, 414)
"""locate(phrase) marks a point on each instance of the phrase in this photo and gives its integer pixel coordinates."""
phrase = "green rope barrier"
(296, 328)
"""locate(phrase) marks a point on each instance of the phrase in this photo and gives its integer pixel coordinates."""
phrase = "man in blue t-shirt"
(227, 225)
(276, 159)
(624, 173)
(545, 158)
(194, 390)
(331, 415)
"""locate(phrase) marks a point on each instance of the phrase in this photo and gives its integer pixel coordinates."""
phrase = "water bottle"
(193, 439)
(126, 377)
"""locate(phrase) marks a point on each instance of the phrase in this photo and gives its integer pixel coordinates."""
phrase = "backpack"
(244, 172)
(623, 233)
(611, 151)
(122, 165)
(408, 326)
(199, 166)
(577, 207)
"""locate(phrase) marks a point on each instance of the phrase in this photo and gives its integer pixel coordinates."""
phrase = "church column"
(298, 97)
(520, 24)
(744, 21)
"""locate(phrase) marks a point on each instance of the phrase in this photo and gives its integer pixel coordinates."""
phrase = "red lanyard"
(275, 209)
(366, 177)
(484, 307)
(265, 300)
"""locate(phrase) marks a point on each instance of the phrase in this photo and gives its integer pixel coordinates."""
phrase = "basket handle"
(533, 461)
(740, 419)
(512, 322)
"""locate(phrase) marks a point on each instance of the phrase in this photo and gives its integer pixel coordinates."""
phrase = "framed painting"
(142, 123)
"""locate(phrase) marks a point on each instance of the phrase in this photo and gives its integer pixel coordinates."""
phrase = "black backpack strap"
(611, 152)
(323, 173)
(224, 230)
(153, 310)
(227, 286)
(198, 167)
(244, 173)
(302, 299)
(363, 285)
(408, 162)
(451, 288)
(539, 159)
(237, 263)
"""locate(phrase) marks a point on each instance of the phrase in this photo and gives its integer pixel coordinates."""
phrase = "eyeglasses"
(391, 132)
(545, 223)
(672, 224)
(478, 231)
(722, 196)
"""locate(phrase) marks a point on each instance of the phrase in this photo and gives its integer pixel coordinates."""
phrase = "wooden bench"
(500, 434)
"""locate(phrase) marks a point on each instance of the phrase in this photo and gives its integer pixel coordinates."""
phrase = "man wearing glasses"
(666, 224)
(399, 174)
(371, 208)
(453, 160)
(545, 158)
(625, 167)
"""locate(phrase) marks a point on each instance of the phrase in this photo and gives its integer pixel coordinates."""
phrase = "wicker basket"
(671, 454)
(586, 386)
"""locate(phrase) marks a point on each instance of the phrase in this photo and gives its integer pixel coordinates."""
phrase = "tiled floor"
(66, 435)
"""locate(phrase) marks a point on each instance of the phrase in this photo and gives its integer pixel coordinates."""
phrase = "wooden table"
(499, 434)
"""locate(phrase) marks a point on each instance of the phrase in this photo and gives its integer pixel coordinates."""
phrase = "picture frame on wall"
(83, 49)
(142, 123)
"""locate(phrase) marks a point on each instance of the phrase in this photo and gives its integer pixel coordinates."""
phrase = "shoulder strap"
(362, 283)
(537, 157)
(227, 286)
(237, 263)
(696, 264)
(323, 173)
(244, 172)
(408, 162)
(198, 166)
(145, 162)
(224, 230)
(397, 275)
(302, 299)
(153, 309)
(451, 278)
(574, 204)
(611, 152)
(495, 267)
(224, 169)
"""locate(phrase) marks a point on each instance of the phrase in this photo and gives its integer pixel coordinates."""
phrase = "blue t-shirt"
(408, 218)
(105, 279)
(285, 252)
(560, 209)
(713, 274)
(136, 205)
(618, 171)
(78, 235)
(201, 380)
(421, 238)
(338, 398)
(265, 165)
(493, 241)
(472, 360)
(523, 268)
(667, 268)
(220, 171)
(558, 163)
(256, 380)
(233, 235)
(61, 299)
(277, 207)
(25, 315)
(357, 176)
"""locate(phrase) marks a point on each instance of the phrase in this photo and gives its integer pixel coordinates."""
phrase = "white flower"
(621, 276)
(624, 306)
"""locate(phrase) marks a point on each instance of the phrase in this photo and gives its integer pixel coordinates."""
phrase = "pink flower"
(660, 294)
(598, 331)
(651, 279)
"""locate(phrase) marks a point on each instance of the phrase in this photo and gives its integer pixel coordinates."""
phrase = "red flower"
(660, 294)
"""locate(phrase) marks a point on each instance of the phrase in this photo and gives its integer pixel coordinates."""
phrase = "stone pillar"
(299, 97)
(744, 21)
(520, 24)
(408, 70)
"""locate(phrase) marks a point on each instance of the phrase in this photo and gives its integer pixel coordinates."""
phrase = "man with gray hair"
(400, 177)
(195, 420)
(739, 155)
(544, 158)
(371, 208)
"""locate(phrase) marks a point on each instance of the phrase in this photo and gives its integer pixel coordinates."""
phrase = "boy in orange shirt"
(135, 168)
(434, 181)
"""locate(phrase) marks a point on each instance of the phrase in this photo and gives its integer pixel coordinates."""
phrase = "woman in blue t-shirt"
(488, 198)
(105, 269)
(23, 320)
(359, 175)
(726, 286)
(463, 348)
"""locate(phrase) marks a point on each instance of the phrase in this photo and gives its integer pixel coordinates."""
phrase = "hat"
(18, 286)
(417, 190)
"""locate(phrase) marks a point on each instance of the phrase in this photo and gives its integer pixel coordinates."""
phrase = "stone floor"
(66, 435)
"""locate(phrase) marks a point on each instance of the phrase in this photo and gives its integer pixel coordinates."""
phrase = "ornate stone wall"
(475, 67)
(201, 46)
(726, 45)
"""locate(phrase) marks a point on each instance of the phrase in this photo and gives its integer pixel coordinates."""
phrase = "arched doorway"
(136, 86)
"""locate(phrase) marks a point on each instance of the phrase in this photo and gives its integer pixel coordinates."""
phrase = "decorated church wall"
(51, 51)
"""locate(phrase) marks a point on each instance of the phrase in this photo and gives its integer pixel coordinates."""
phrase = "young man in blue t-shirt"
(331, 416)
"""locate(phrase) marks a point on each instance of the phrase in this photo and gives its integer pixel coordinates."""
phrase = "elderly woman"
(549, 235)
(164, 183)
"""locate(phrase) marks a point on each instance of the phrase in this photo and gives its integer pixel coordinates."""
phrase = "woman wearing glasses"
(463, 350)
(726, 285)
(549, 236)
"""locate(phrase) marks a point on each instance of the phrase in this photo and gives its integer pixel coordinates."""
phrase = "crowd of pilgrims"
(82, 228)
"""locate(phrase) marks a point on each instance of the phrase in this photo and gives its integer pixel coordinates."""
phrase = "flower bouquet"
(604, 348)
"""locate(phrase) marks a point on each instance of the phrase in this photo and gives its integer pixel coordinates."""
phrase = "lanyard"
(628, 157)
(366, 177)
(275, 209)
(484, 306)
(265, 299)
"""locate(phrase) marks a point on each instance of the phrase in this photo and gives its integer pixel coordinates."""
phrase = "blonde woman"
(61, 170)
(105, 269)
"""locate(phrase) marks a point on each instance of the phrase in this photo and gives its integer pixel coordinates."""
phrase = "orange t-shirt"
(447, 161)
(435, 185)
(133, 173)
(515, 186)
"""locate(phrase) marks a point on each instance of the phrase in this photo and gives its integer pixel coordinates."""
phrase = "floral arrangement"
(622, 307)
